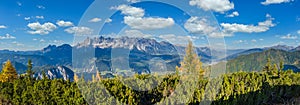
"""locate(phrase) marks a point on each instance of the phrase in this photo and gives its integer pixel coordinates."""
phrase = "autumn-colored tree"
(9, 73)
(191, 62)
(98, 76)
(75, 77)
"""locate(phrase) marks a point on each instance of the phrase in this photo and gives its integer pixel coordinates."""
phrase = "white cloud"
(261, 27)
(41, 29)
(288, 36)
(240, 41)
(17, 43)
(79, 30)
(58, 41)
(298, 32)
(95, 20)
(39, 17)
(34, 39)
(148, 23)
(174, 38)
(137, 34)
(267, 2)
(40, 7)
(261, 39)
(133, 1)
(199, 26)
(136, 20)
(108, 20)
(2, 26)
(254, 40)
(42, 40)
(26, 18)
(233, 14)
(63, 23)
(220, 6)
(7, 36)
(130, 11)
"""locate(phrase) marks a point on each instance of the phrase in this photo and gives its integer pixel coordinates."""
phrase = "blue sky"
(34, 24)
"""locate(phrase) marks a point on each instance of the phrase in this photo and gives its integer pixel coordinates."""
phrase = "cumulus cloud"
(254, 40)
(288, 36)
(134, 17)
(298, 32)
(148, 23)
(79, 30)
(63, 23)
(95, 20)
(174, 38)
(268, 2)
(233, 14)
(108, 20)
(197, 25)
(220, 6)
(2, 26)
(130, 11)
(26, 18)
(261, 27)
(39, 17)
(42, 29)
(7, 36)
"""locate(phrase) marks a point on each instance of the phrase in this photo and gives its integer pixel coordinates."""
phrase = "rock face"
(59, 72)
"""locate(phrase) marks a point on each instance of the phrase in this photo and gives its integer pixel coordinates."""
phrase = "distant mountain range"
(257, 60)
(256, 50)
(139, 50)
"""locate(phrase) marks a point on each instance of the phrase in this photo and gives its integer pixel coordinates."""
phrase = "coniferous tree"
(8, 73)
(29, 71)
(191, 62)
(268, 67)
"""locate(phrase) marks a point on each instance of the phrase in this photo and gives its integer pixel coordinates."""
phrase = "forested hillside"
(256, 61)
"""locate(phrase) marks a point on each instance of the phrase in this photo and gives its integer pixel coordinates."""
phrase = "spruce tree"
(29, 71)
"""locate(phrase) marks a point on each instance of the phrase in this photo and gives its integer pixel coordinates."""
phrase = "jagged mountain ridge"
(55, 72)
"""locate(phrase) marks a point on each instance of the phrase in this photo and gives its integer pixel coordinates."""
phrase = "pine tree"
(9, 73)
(191, 62)
(29, 71)
(268, 67)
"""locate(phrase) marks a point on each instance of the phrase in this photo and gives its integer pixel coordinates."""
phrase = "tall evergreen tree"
(8, 73)
(29, 71)
(191, 62)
